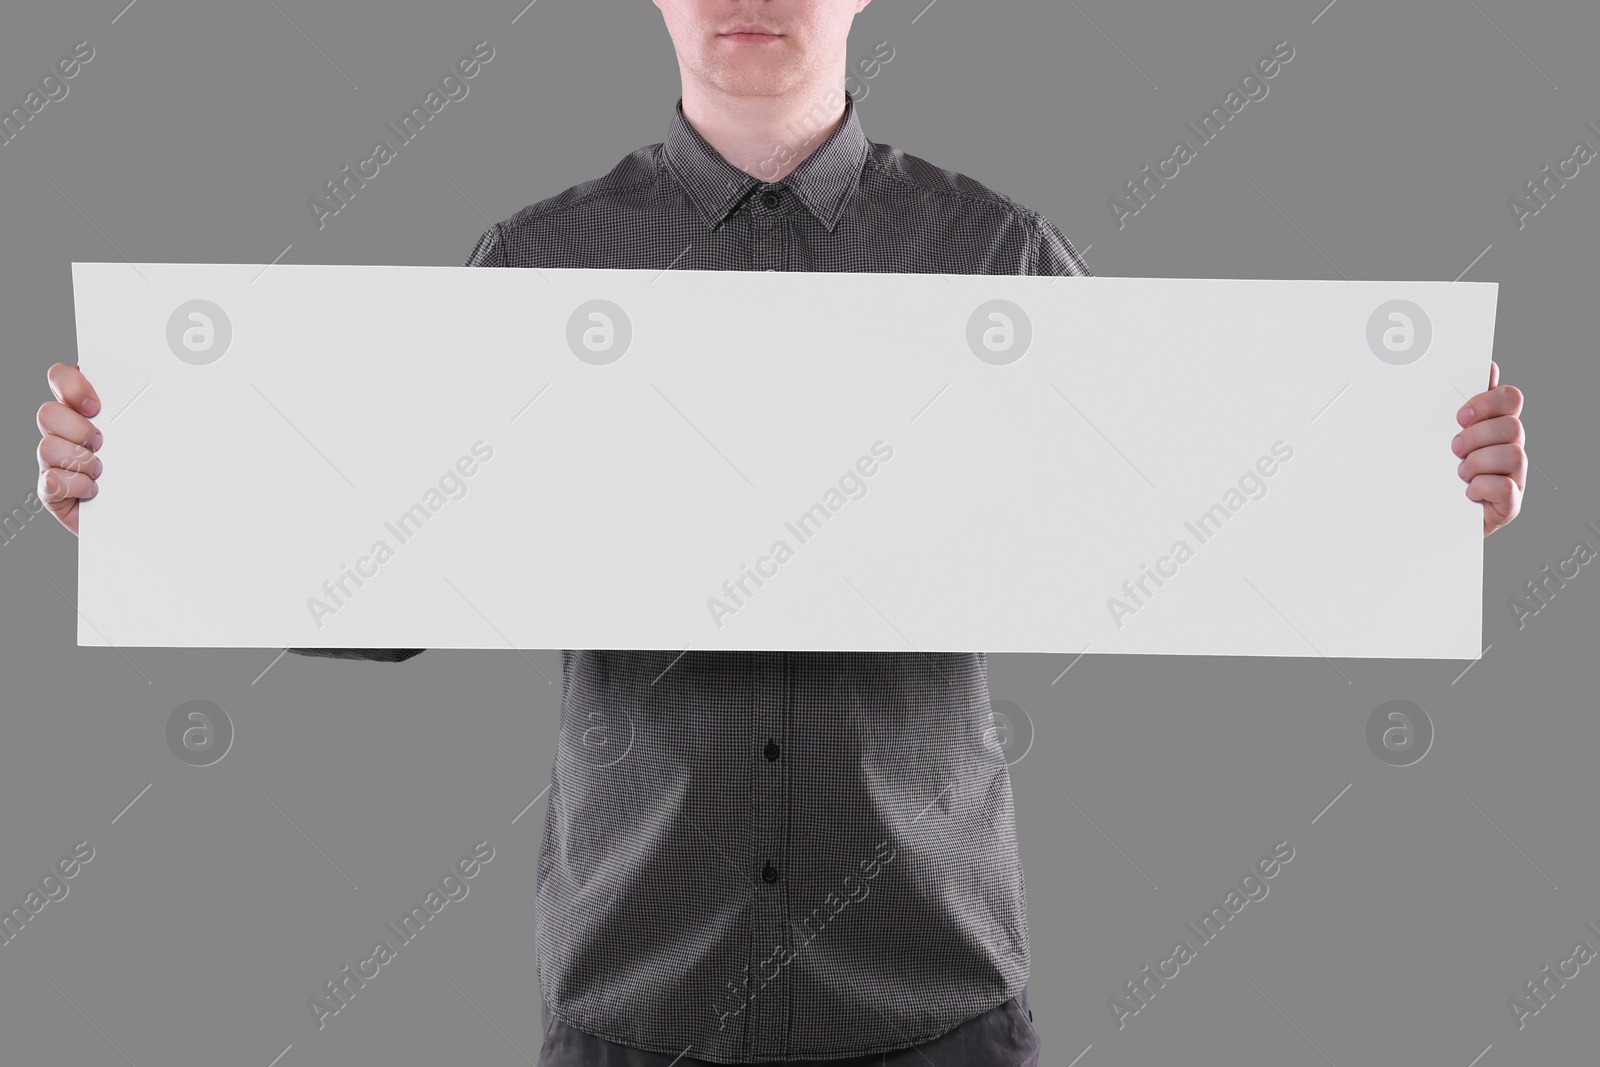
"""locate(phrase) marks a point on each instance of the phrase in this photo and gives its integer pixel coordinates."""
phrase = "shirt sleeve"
(488, 252)
(386, 655)
(1054, 254)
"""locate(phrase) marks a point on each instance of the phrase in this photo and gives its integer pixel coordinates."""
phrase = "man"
(760, 857)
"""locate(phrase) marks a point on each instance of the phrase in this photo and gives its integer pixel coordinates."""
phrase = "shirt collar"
(823, 181)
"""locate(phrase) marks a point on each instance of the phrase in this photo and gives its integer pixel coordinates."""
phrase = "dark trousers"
(1000, 1037)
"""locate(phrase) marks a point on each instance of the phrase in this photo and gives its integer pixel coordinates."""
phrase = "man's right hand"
(68, 441)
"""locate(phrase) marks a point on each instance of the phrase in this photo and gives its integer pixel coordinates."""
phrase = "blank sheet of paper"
(375, 456)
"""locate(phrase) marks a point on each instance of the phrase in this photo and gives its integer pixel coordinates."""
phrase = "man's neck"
(767, 136)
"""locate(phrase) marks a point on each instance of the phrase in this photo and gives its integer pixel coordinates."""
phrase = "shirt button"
(769, 873)
(771, 751)
(770, 199)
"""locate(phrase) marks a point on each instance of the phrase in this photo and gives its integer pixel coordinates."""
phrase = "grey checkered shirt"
(764, 856)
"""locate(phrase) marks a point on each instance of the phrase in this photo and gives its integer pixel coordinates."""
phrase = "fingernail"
(96, 467)
(90, 405)
(94, 490)
(1466, 415)
(1455, 446)
(95, 442)
(1461, 470)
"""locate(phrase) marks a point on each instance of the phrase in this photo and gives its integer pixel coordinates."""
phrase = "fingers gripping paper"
(340, 456)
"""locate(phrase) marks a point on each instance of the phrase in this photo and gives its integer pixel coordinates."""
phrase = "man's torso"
(778, 855)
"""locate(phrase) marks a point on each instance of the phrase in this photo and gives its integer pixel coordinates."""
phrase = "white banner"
(366, 456)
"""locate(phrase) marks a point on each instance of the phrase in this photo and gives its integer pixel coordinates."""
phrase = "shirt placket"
(768, 207)
(767, 1030)
(773, 948)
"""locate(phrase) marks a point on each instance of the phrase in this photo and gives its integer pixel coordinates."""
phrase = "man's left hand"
(1494, 458)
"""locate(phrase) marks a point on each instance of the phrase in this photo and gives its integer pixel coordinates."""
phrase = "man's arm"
(488, 252)
(1053, 253)
(387, 655)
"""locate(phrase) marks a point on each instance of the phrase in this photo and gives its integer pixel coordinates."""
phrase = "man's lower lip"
(750, 38)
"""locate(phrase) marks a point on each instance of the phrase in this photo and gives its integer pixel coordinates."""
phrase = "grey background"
(1416, 904)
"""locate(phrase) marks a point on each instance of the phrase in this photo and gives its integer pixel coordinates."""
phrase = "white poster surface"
(378, 456)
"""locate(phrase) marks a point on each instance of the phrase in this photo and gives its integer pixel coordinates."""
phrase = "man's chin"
(755, 79)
